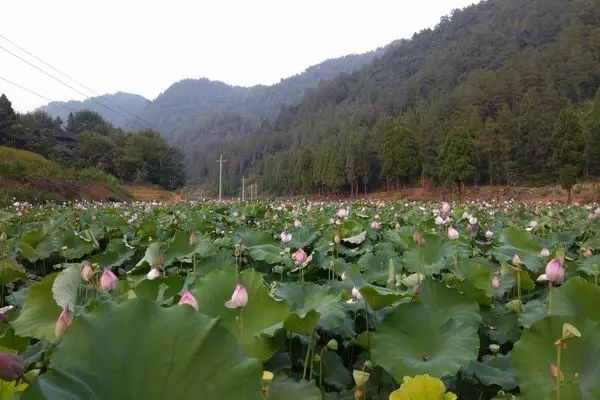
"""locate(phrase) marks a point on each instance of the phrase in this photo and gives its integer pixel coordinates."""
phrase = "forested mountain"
(492, 78)
(116, 109)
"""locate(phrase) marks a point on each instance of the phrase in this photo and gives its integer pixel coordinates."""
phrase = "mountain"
(500, 70)
(117, 109)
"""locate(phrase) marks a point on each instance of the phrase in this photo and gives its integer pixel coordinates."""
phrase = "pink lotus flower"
(489, 234)
(62, 323)
(188, 298)
(376, 225)
(587, 253)
(11, 367)
(452, 233)
(496, 282)
(108, 280)
(286, 237)
(86, 271)
(239, 298)
(341, 213)
(297, 223)
(516, 260)
(445, 208)
(300, 256)
(545, 253)
(555, 271)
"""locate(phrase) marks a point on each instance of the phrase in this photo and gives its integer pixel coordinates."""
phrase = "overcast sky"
(145, 46)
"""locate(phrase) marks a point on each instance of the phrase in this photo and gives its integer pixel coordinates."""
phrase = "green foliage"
(400, 157)
(457, 159)
(569, 146)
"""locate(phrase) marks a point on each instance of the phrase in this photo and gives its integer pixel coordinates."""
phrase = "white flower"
(489, 234)
(153, 274)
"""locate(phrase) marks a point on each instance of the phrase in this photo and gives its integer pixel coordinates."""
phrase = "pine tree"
(569, 148)
(457, 159)
(593, 147)
(401, 157)
(8, 119)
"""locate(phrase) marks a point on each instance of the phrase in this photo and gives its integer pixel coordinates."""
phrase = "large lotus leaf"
(577, 299)
(579, 361)
(73, 246)
(590, 265)
(252, 238)
(261, 318)
(377, 265)
(284, 388)
(180, 249)
(40, 311)
(377, 297)
(151, 257)
(303, 237)
(436, 335)
(138, 350)
(11, 271)
(520, 242)
(334, 372)
(474, 279)
(66, 287)
(422, 387)
(427, 259)
(268, 253)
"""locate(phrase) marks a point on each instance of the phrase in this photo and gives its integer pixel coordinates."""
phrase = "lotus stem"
(519, 288)
(194, 261)
(241, 321)
(321, 366)
(549, 298)
(312, 363)
(558, 372)
(306, 357)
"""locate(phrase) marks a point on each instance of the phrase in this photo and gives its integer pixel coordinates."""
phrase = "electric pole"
(221, 161)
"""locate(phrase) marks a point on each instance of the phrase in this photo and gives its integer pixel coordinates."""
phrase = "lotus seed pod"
(570, 332)
(333, 345)
(360, 378)
(494, 348)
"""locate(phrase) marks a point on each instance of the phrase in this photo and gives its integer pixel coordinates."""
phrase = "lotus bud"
(11, 367)
(516, 260)
(452, 233)
(93, 218)
(344, 276)
(193, 239)
(239, 298)
(356, 295)
(397, 225)
(555, 271)
(300, 256)
(439, 220)
(554, 372)
(376, 225)
(472, 220)
(3, 311)
(153, 274)
(489, 234)
(108, 280)
(3, 236)
(445, 207)
(333, 345)
(545, 253)
(62, 323)
(297, 223)
(286, 237)
(419, 239)
(587, 253)
(496, 282)
(494, 348)
(188, 298)
(86, 271)
(570, 332)
(360, 378)
(337, 239)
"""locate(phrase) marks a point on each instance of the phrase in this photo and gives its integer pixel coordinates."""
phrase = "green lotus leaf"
(263, 314)
(268, 253)
(11, 271)
(494, 371)
(40, 311)
(284, 388)
(579, 361)
(409, 341)
(149, 353)
(116, 254)
(427, 259)
(66, 287)
(304, 237)
(519, 241)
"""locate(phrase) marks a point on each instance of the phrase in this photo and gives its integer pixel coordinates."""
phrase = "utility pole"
(221, 161)
(244, 188)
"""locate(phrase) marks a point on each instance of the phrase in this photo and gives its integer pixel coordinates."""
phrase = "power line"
(73, 79)
(66, 84)
(35, 93)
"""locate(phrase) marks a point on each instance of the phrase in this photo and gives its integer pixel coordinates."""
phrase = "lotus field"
(300, 301)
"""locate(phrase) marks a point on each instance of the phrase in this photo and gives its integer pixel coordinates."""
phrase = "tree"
(8, 120)
(568, 144)
(593, 147)
(401, 157)
(457, 159)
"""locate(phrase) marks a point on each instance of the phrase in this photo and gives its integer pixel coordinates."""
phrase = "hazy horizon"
(143, 48)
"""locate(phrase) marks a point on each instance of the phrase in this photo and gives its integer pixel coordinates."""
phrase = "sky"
(145, 46)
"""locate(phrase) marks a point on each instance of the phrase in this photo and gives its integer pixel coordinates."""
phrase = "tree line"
(87, 140)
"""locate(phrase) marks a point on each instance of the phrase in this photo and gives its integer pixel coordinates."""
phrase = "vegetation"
(87, 147)
(299, 301)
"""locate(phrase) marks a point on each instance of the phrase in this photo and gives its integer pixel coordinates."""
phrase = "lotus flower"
(108, 280)
(439, 220)
(555, 271)
(86, 271)
(286, 237)
(445, 207)
(62, 323)
(356, 295)
(344, 276)
(337, 239)
(489, 234)
(452, 233)
(193, 239)
(472, 220)
(587, 253)
(153, 274)
(11, 367)
(300, 256)
(239, 298)
(554, 372)
(341, 213)
(297, 223)
(188, 298)
(545, 253)
(496, 282)
(3, 236)
(3, 311)
(516, 260)
(376, 225)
